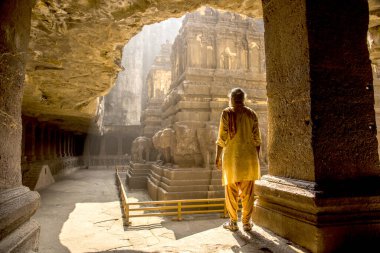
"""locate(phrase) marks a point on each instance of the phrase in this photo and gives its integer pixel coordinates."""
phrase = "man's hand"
(218, 163)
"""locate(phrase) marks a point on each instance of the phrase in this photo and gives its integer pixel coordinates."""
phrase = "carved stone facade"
(112, 148)
(214, 52)
(48, 152)
(158, 83)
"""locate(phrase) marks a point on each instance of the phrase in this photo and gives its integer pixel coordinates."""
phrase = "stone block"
(152, 189)
(183, 188)
(199, 105)
(23, 239)
(192, 115)
(184, 183)
(17, 205)
(330, 219)
(137, 175)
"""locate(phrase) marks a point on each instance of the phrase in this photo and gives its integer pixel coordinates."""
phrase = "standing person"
(237, 150)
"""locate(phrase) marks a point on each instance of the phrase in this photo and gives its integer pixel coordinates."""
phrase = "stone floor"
(81, 213)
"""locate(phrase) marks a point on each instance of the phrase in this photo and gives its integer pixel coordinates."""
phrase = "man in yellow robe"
(238, 146)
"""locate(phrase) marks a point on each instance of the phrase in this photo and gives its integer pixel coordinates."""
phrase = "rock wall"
(76, 48)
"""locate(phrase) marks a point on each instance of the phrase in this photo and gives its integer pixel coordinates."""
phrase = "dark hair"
(237, 95)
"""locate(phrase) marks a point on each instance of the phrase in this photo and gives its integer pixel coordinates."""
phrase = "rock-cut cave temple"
(74, 95)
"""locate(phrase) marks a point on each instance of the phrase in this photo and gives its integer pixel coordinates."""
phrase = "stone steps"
(137, 175)
(165, 183)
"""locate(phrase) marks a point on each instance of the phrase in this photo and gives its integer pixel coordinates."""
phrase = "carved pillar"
(119, 146)
(217, 53)
(62, 143)
(30, 139)
(75, 143)
(68, 138)
(374, 48)
(322, 190)
(59, 143)
(102, 146)
(38, 143)
(47, 145)
(71, 149)
(65, 144)
(54, 141)
(18, 233)
(23, 140)
(42, 141)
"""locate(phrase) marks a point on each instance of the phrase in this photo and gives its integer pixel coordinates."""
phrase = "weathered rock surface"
(75, 51)
(125, 101)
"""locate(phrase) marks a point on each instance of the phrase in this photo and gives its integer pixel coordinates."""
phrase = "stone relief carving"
(163, 142)
(186, 145)
(206, 139)
(227, 59)
(141, 149)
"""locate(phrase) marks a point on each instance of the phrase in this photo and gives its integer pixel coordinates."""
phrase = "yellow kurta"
(240, 159)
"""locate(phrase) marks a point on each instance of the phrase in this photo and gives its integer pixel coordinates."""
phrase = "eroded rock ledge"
(75, 51)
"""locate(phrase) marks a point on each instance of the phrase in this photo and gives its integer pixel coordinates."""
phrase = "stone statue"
(207, 138)
(186, 151)
(141, 146)
(163, 141)
(156, 145)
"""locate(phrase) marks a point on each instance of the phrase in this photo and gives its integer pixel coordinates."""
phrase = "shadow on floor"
(59, 200)
(192, 225)
(254, 241)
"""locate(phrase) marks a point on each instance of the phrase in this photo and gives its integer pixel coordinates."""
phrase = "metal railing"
(169, 207)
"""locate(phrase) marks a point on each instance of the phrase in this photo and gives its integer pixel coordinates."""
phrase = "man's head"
(237, 97)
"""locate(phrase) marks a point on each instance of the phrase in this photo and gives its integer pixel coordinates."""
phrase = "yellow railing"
(169, 207)
(123, 198)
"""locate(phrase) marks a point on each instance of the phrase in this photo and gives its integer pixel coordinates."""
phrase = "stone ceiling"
(75, 51)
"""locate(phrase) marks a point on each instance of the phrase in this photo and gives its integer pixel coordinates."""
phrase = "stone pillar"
(71, 144)
(31, 141)
(62, 143)
(54, 141)
(59, 143)
(65, 144)
(119, 146)
(18, 233)
(75, 144)
(102, 146)
(40, 141)
(47, 145)
(37, 143)
(87, 151)
(23, 138)
(322, 191)
(68, 138)
(374, 48)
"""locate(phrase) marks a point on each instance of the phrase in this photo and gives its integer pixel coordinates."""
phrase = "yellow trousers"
(244, 191)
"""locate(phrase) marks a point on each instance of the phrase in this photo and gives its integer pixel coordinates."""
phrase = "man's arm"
(218, 157)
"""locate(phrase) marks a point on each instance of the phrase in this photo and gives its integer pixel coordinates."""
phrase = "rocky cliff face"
(125, 101)
(75, 51)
